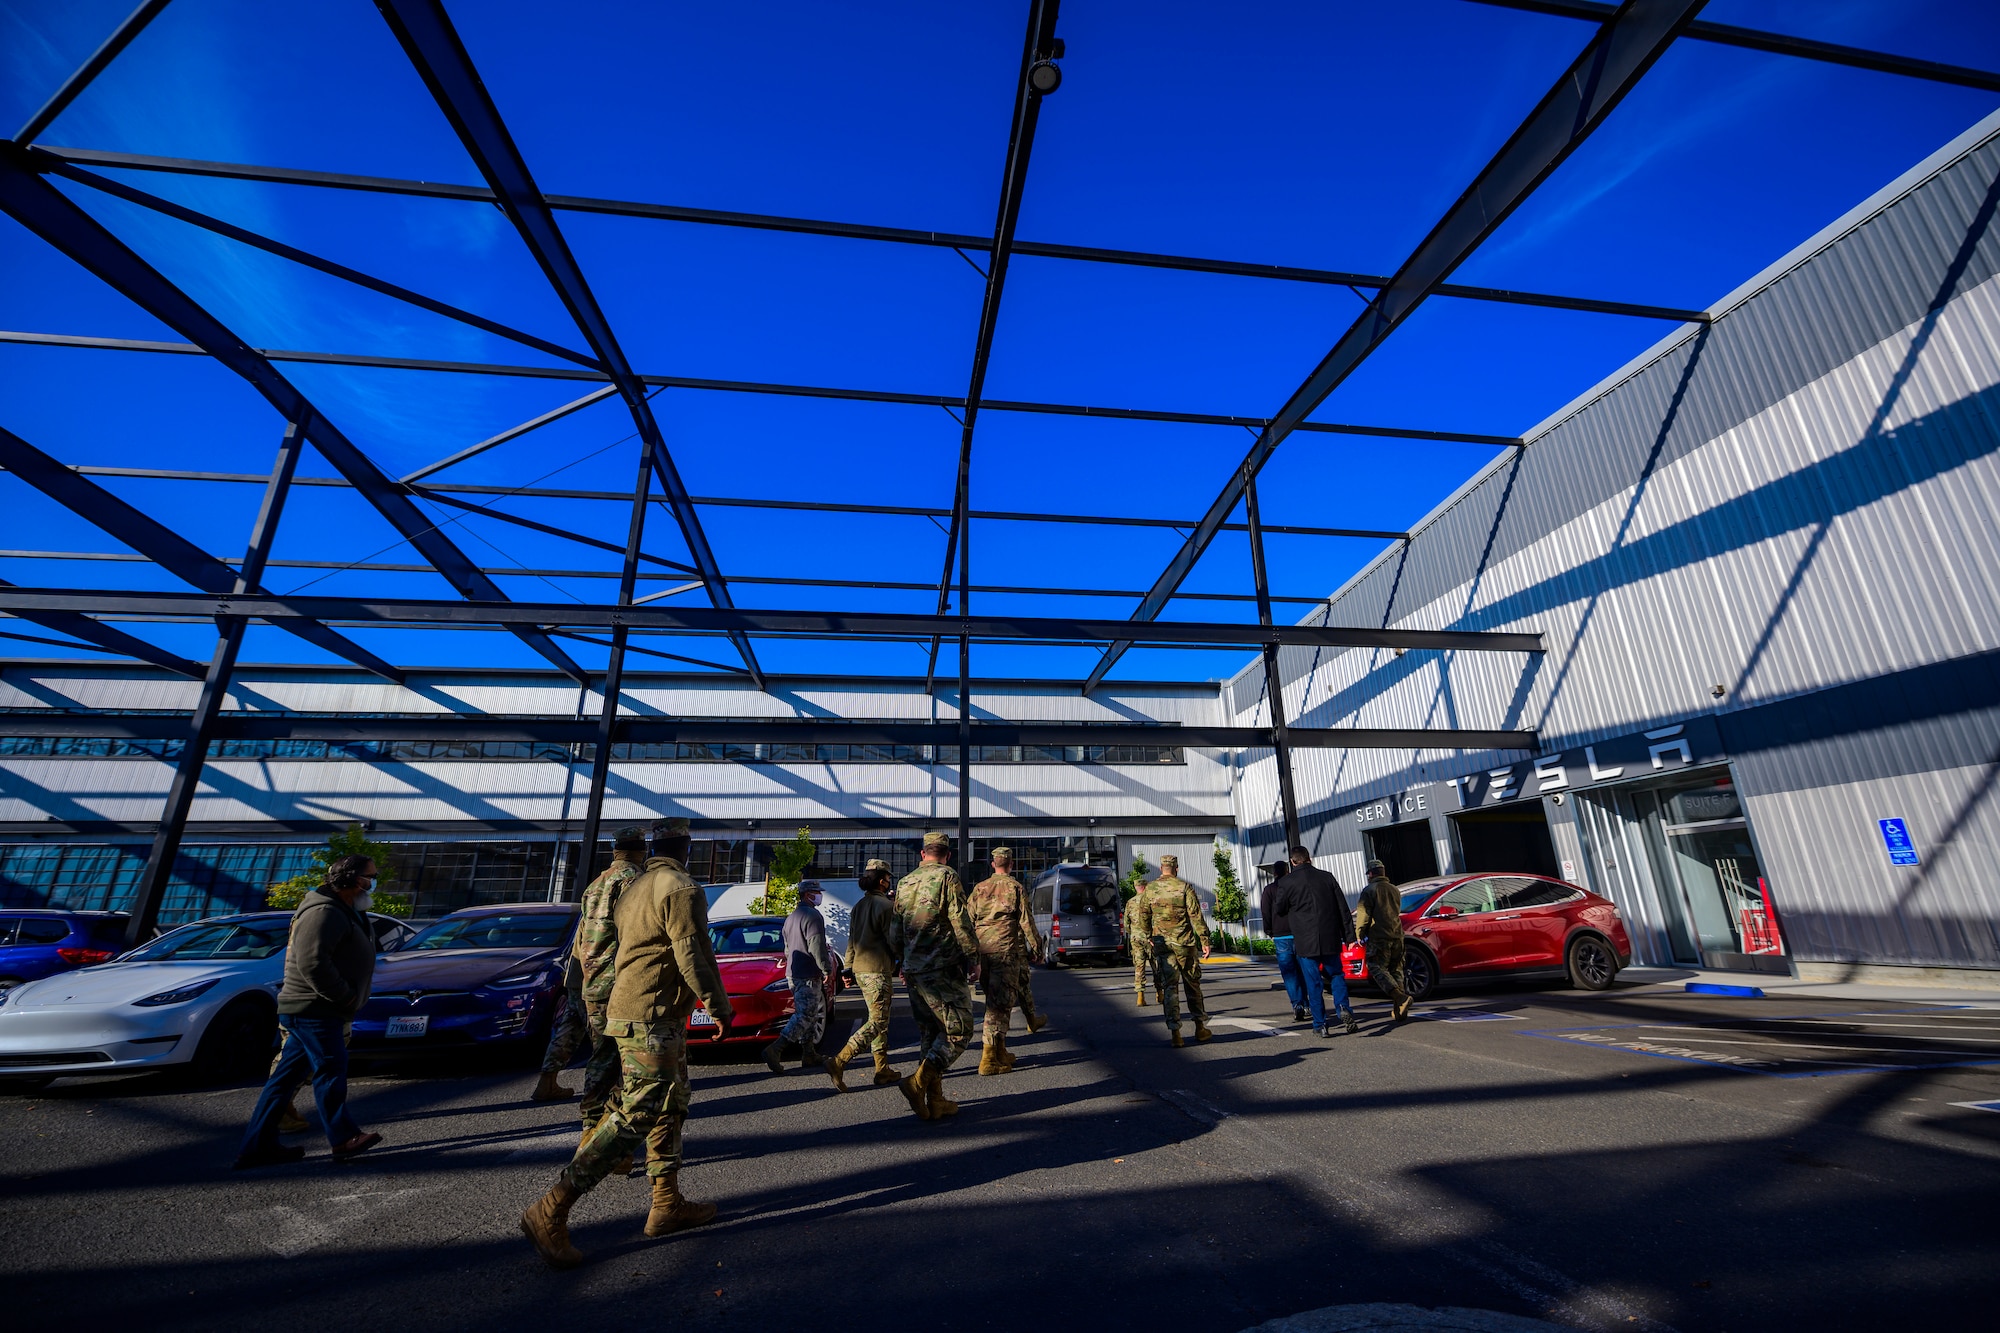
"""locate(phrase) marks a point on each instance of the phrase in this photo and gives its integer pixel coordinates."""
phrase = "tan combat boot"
(671, 1212)
(1038, 1022)
(884, 1074)
(1006, 1056)
(1177, 1039)
(941, 1106)
(1401, 1010)
(836, 1068)
(915, 1088)
(1139, 997)
(989, 1058)
(1201, 1032)
(550, 1089)
(289, 1119)
(546, 1224)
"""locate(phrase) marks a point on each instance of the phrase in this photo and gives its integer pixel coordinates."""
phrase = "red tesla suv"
(1467, 928)
(750, 953)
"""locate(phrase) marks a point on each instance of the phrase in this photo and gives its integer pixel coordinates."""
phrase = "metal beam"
(160, 544)
(863, 232)
(1274, 683)
(614, 679)
(512, 433)
(248, 725)
(1038, 45)
(836, 624)
(107, 639)
(1614, 61)
(1754, 39)
(208, 707)
(279, 354)
(487, 511)
(100, 60)
(432, 44)
(44, 210)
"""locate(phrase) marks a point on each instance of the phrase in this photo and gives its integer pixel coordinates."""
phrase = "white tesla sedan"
(203, 996)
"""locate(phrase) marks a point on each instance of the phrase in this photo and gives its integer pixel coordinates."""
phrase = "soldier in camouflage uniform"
(1004, 922)
(665, 966)
(587, 985)
(1139, 942)
(1170, 916)
(873, 965)
(932, 935)
(1378, 924)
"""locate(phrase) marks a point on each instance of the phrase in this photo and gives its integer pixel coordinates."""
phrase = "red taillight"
(83, 957)
(1055, 925)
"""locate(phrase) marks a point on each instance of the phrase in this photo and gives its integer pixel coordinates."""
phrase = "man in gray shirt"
(329, 966)
(807, 966)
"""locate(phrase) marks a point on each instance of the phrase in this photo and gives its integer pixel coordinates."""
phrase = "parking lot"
(1536, 1152)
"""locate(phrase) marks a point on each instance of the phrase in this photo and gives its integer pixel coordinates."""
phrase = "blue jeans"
(1289, 969)
(312, 1045)
(1325, 969)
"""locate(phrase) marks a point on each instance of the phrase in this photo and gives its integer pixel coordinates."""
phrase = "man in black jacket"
(1312, 904)
(1279, 927)
(329, 966)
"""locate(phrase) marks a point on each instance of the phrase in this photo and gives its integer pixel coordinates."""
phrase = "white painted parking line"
(1257, 1026)
(1979, 1106)
(289, 1233)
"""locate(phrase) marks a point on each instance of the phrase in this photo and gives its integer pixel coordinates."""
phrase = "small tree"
(789, 862)
(351, 841)
(1231, 906)
(1128, 887)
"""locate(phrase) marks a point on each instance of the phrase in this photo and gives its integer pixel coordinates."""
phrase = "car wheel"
(1050, 958)
(26, 1084)
(1420, 973)
(1592, 965)
(238, 1041)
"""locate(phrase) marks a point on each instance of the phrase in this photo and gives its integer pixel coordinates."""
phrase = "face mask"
(364, 900)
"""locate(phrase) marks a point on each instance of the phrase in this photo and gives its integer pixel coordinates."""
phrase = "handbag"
(1354, 961)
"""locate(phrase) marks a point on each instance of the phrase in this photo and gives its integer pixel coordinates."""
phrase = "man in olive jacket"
(1311, 901)
(329, 965)
(666, 965)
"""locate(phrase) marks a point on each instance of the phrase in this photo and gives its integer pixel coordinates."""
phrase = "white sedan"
(203, 996)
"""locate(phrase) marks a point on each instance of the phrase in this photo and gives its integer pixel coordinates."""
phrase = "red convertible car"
(750, 952)
(1469, 928)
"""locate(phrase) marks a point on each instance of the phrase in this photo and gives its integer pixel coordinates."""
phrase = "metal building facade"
(1780, 525)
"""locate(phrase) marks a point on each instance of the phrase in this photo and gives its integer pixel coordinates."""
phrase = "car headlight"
(519, 981)
(179, 996)
(782, 983)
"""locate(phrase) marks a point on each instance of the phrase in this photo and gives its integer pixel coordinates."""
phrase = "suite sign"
(1642, 754)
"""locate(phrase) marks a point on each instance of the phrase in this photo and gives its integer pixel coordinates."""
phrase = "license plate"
(701, 1018)
(415, 1025)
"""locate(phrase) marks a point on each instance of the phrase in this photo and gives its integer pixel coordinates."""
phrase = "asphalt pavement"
(1641, 1158)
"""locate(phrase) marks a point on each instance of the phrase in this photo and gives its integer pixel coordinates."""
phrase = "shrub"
(1231, 907)
(286, 894)
(789, 863)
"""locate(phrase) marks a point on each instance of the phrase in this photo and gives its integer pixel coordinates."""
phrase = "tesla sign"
(1639, 755)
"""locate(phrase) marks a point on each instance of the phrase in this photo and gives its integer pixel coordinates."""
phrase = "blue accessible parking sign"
(1896, 837)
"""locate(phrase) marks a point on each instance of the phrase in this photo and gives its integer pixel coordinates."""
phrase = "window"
(1537, 893)
(1471, 897)
(499, 930)
(43, 930)
(187, 942)
(1089, 897)
(7, 927)
(755, 936)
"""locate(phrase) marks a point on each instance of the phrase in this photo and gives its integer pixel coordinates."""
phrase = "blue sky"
(1328, 134)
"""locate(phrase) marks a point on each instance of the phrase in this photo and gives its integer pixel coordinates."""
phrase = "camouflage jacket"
(931, 930)
(1135, 926)
(596, 946)
(1170, 911)
(666, 963)
(1380, 913)
(1002, 919)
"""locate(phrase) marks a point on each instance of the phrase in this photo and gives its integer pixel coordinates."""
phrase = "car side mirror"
(1444, 911)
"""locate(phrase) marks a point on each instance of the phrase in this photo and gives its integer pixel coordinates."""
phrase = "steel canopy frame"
(1611, 65)
(433, 46)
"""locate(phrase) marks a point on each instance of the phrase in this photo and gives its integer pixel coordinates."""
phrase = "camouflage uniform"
(1170, 915)
(594, 959)
(1137, 941)
(1004, 924)
(932, 934)
(1379, 920)
(869, 955)
(665, 965)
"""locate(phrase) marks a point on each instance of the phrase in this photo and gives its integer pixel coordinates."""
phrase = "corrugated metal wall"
(1800, 496)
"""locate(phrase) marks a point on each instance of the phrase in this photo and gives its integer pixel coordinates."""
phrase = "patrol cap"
(809, 886)
(629, 838)
(1001, 854)
(937, 839)
(877, 864)
(669, 828)
(1377, 868)
(1170, 863)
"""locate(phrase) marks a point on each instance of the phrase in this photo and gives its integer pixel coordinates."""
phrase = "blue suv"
(36, 943)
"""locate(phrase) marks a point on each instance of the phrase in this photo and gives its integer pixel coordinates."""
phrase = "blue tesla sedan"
(483, 976)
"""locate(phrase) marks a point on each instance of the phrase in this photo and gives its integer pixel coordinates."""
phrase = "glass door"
(1703, 840)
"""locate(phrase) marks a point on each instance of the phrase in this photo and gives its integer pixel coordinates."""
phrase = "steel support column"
(964, 695)
(614, 677)
(1274, 683)
(208, 707)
